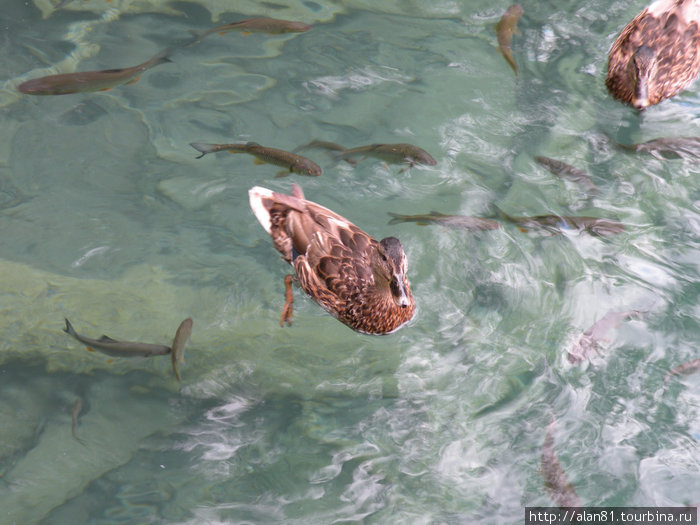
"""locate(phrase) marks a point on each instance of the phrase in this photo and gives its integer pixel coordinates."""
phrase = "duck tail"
(257, 197)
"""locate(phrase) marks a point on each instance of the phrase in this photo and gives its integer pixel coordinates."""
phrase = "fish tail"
(69, 328)
(196, 36)
(203, 148)
(395, 218)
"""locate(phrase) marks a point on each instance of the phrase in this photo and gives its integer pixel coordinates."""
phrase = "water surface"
(108, 219)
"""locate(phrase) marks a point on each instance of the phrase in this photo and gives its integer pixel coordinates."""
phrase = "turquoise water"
(108, 219)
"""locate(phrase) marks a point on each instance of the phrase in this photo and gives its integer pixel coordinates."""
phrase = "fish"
(77, 408)
(271, 26)
(88, 81)
(667, 147)
(178, 349)
(401, 153)
(557, 223)
(589, 341)
(566, 171)
(556, 483)
(291, 161)
(453, 221)
(114, 348)
(505, 29)
(685, 369)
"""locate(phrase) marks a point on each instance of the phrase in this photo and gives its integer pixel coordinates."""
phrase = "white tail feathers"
(256, 196)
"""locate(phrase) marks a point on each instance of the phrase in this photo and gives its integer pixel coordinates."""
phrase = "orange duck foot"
(288, 302)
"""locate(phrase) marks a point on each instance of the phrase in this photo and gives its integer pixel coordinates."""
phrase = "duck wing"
(332, 257)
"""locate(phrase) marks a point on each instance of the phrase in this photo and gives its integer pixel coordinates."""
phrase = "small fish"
(505, 29)
(453, 221)
(401, 153)
(556, 482)
(77, 408)
(114, 348)
(565, 171)
(271, 26)
(87, 81)
(557, 223)
(682, 370)
(181, 337)
(667, 147)
(589, 342)
(291, 161)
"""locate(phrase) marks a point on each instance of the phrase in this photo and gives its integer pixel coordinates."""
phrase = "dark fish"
(181, 337)
(291, 161)
(589, 342)
(682, 370)
(565, 171)
(109, 346)
(667, 147)
(77, 408)
(557, 223)
(453, 221)
(401, 153)
(505, 29)
(86, 81)
(271, 26)
(556, 483)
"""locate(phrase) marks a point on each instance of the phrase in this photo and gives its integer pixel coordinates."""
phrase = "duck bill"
(641, 94)
(399, 292)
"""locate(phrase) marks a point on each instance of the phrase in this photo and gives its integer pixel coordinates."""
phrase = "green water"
(108, 219)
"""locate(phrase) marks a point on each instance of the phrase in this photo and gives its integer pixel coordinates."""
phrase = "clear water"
(109, 220)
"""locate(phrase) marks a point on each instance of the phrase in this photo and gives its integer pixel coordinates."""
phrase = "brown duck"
(657, 55)
(360, 281)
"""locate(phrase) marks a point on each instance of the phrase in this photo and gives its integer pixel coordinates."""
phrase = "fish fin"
(246, 33)
(69, 327)
(421, 223)
(257, 161)
(107, 339)
(395, 218)
(106, 89)
(89, 349)
(202, 148)
(280, 174)
(133, 80)
(110, 360)
(524, 230)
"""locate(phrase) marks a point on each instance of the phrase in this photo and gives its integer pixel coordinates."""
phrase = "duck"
(657, 55)
(360, 281)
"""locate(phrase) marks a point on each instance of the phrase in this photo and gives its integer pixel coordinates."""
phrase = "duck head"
(643, 65)
(389, 267)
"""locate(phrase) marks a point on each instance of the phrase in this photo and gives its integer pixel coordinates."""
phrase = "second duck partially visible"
(360, 281)
(657, 55)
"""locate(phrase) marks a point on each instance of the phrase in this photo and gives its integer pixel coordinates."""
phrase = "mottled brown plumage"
(657, 54)
(360, 281)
